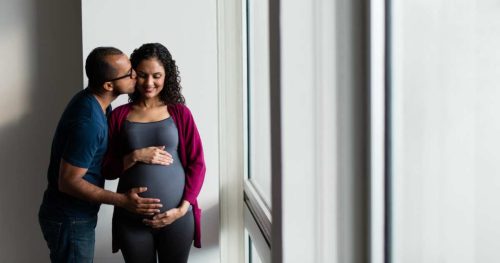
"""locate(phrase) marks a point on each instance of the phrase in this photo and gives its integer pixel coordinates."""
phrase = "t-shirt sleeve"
(82, 143)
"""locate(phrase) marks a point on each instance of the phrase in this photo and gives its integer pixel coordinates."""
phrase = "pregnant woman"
(154, 142)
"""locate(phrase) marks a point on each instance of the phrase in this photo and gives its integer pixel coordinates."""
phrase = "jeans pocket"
(51, 231)
(83, 238)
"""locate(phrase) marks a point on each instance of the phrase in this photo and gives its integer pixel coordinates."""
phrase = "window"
(258, 100)
(257, 185)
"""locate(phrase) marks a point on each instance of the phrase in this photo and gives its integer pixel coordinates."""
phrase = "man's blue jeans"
(69, 240)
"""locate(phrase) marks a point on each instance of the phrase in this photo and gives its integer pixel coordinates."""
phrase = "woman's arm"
(195, 160)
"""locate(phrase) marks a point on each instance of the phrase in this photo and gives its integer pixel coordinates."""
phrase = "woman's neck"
(150, 103)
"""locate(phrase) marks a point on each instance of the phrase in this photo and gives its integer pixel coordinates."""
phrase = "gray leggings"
(140, 243)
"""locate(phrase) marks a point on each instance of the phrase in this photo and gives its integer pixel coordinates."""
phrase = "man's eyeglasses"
(129, 75)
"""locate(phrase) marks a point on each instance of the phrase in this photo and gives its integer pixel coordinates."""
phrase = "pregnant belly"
(163, 182)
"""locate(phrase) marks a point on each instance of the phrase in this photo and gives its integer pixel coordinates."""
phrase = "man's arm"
(71, 182)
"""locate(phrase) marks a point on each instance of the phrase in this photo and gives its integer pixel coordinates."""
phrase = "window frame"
(258, 214)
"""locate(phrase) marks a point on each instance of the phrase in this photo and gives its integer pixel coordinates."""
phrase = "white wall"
(446, 183)
(41, 67)
(188, 29)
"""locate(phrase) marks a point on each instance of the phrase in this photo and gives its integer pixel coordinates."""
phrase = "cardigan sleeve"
(112, 166)
(195, 161)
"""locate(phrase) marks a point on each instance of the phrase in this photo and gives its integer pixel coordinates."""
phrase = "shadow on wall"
(55, 68)
(209, 236)
(210, 233)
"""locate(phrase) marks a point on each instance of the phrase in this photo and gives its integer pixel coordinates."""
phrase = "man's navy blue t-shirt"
(81, 139)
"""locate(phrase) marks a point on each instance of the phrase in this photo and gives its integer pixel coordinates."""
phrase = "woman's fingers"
(160, 216)
(163, 158)
(165, 153)
(157, 155)
(157, 223)
(162, 219)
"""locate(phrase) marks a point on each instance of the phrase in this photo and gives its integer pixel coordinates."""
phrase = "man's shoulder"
(83, 106)
(85, 116)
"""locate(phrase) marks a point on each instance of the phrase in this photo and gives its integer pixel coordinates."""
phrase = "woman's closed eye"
(145, 76)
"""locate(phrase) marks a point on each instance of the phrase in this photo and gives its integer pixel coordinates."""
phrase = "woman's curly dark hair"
(171, 92)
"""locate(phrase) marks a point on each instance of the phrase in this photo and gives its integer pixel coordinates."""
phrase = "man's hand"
(144, 206)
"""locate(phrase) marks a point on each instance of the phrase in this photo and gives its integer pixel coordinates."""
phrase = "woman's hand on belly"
(149, 155)
(168, 217)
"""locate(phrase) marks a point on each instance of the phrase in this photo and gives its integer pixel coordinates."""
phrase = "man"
(68, 213)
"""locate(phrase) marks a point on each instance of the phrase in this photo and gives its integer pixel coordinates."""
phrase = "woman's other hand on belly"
(168, 217)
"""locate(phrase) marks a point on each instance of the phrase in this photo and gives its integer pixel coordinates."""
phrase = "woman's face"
(150, 78)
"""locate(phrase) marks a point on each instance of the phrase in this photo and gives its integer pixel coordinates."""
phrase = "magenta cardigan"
(190, 153)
